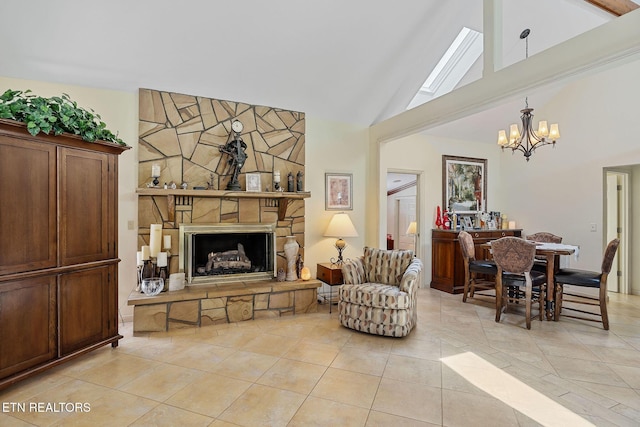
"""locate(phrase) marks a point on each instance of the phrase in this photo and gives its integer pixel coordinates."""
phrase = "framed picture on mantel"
(464, 184)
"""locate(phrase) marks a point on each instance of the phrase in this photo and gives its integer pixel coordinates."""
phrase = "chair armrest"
(353, 271)
(409, 283)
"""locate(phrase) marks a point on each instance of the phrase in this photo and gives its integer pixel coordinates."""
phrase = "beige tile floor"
(457, 368)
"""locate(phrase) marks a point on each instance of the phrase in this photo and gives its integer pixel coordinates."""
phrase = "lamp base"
(340, 260)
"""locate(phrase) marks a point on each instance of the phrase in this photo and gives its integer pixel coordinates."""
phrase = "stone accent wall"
(182, 134)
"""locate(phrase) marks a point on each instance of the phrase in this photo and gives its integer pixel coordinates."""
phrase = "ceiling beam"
(615, 7)
(602, 47)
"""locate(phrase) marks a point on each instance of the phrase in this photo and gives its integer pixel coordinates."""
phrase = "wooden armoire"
(58, 249)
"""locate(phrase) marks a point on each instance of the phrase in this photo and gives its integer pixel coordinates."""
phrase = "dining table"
(551, 252)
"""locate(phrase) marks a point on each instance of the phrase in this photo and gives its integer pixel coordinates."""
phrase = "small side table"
(331, 274)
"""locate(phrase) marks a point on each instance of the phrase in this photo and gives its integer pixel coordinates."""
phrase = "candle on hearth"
(139, 260)
(162, 259)
(167, 241)
(145, 253)
(155, 239)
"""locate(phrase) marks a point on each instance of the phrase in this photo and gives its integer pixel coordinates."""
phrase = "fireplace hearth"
(227, 253)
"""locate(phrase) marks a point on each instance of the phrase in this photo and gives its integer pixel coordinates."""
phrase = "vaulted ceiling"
(356, 61)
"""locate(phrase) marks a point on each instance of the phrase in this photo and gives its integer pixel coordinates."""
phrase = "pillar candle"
(167, 241)
(145, 253)
(155, 170)
(512, 225)
(139, 258)
(155, 239)
(162, 259)
(276, 176)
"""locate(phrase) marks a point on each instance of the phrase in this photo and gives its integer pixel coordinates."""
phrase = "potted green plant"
(57, 115)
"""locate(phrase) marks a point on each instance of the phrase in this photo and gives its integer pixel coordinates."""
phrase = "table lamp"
(412, 230)
(340, 226)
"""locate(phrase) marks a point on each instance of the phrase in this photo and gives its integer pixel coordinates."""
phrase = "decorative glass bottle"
(438, 219)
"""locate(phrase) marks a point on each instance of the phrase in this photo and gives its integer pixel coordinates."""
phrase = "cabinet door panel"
(28, 210)
(83, 207)
(443, 256)
(84, 308)
(27, 323)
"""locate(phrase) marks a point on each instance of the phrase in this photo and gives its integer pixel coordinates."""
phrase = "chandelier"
(528, 140)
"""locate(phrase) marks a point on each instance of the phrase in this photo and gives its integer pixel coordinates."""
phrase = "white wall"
(119, 110)
(333, 147)
(424, 153)
(634, 232)
(560, 189)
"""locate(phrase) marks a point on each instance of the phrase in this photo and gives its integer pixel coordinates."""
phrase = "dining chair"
(473, 267)
(586, 279)
(544, 237)
(540, 263)
(514, 258)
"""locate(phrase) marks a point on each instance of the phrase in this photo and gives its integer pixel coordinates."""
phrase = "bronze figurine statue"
(237, 156)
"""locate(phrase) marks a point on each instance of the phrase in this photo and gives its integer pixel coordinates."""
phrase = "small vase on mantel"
(291, 247)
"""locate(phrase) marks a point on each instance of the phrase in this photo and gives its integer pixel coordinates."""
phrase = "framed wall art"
(464, 184)
(338, 191)
(253, 182)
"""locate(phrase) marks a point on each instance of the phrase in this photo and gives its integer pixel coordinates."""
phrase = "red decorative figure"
(447, 222)
(438, 219)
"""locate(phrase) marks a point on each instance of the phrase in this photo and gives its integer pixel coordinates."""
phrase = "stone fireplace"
(227, 253)
(182, 134)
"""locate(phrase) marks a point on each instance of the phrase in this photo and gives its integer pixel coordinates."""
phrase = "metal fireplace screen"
(221, 253)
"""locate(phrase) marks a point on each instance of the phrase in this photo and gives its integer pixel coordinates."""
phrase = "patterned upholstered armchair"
(379, 292)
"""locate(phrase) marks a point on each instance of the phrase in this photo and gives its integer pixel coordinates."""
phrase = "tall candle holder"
(163, 273)
(155, 174)
(148, 269)
(162, 268)
(140, 269)
(276, 181)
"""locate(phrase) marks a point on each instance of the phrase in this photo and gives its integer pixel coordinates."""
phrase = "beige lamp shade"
(412, 230)
(340, 226)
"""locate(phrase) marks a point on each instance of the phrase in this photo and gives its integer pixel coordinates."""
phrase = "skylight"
(452, 67)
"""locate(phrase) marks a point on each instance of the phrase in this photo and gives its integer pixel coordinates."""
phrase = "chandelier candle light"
(528, 140)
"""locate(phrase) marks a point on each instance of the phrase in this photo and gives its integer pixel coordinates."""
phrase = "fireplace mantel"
(282, 197)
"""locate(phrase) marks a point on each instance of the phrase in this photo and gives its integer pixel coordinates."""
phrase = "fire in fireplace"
(235, 252)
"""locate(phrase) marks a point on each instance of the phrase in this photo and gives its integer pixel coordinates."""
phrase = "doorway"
(616, 225)
(402, 210)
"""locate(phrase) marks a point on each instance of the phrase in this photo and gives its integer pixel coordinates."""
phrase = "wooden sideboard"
(447, 265)
(58, 251)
